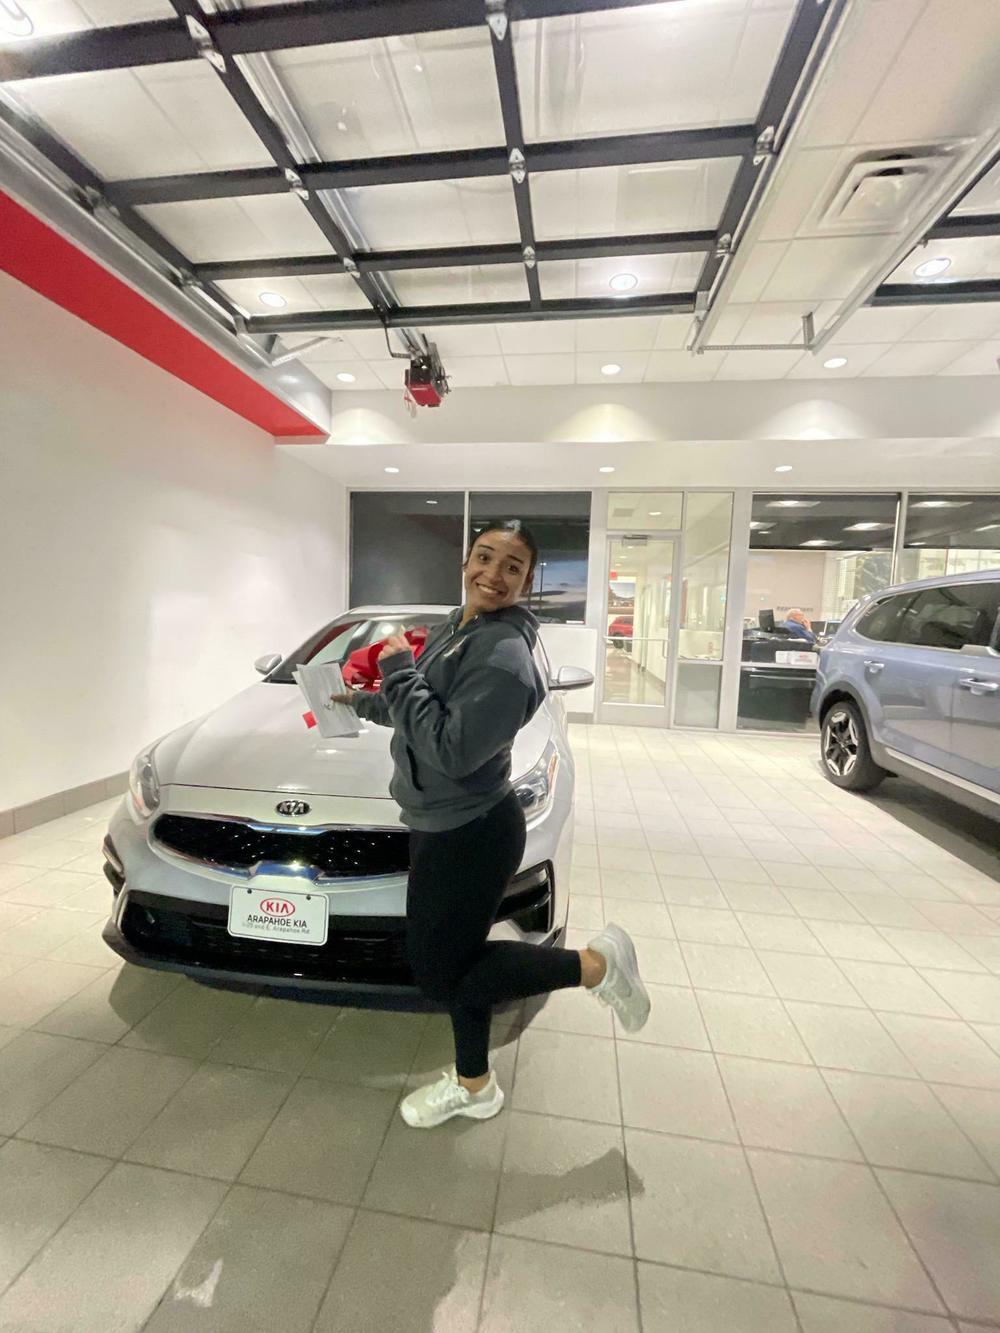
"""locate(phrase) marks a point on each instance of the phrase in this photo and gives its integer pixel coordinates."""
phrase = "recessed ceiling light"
(784, 467)
(14, 20)
(835, 363)
(941, 504)
(916, 543)
(607, 469)
(418, 69)
(342, 126)
(792, 504)
(932, 268)
(819, 541)
(432, 502)
(655, 513)
(392, 469)
(272, 299)
(623, 282)
(346, 377)
(760, 527)
(612, 368)
(989, 527)
(868, 527)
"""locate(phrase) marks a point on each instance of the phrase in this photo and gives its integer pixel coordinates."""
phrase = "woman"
(454, 716)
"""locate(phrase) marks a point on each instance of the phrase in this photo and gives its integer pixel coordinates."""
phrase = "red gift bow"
(362, 669)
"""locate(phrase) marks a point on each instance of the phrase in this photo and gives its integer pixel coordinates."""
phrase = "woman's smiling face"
(497, 572)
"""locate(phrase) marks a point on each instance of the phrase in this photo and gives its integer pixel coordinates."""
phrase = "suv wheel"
(845, 752)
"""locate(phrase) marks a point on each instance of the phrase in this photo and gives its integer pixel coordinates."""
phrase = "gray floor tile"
(40, 1187)
(565, 1181)
(841, 1038)
(189, 1021)
(674, 1301)
(46, 930)
(276, 1034)
(977, 1111)
(34, 1068)
(845, 939)
(365, 1046)
(263, 1262)
(930, 948)
(661, 961)
(9, 964)
(886, 909)
(691, 892)
(324, 1141)
(214, 1123)
(570, 1011)
(763, 898)
(638, 918)
(7, 1035)
(954, 1225)
(586, 913)
(27, 995)
(112, 1102)
(707, 925)
(826, 1314)
(975, 998)
(48, 887)
(674, 1020)
(786, 1107)
(87, 1278)
(722, 967)
(894, 988)
(694, 1204)
(797, 977)
(570, 1289)
(682, 865)
(674, 1091)
(835, 1232)
(566, 1075)
(107, 1008)
(945, 1050)
(449, 1174)
(434, 1280)
(785, 934)
(819, 904)
(900, 1122)
(751, 1025)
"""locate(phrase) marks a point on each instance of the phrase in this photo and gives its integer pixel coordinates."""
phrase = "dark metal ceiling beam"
(502, 41)
(965, 228)
(407, 168)
(461, 256)
(937, 293)
(499, 312)
(276, 27)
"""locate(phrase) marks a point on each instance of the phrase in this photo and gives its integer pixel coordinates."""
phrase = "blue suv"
(910, 685)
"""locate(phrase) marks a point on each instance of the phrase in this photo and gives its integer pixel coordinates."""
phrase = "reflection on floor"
(627, 680)
(805, 1137)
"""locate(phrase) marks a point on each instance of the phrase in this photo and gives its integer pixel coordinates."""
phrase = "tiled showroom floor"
(805, 1137)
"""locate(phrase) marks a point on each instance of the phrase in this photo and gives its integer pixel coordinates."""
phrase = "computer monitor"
(765, 619)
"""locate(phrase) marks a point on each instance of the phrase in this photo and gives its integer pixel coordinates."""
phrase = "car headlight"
(535, 789)
(143, 784)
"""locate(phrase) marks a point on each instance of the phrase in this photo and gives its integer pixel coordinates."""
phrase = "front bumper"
(172, 916)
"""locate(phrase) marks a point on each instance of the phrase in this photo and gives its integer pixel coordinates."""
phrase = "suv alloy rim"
(840, 752)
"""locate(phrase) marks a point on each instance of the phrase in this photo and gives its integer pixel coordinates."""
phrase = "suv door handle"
(975, 686)
(873, 667)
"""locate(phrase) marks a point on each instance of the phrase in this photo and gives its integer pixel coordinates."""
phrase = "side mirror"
(266, 664)
(571, 678)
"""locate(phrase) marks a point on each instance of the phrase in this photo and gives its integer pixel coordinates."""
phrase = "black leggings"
(457, 881)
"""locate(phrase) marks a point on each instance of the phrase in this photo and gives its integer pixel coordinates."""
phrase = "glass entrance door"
(641, 629)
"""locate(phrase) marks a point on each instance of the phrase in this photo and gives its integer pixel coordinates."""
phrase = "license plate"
(291, 918)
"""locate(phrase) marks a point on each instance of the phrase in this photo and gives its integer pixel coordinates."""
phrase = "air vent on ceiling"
(881, 191)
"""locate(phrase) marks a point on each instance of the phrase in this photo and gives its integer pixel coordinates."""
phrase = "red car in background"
(619, 629)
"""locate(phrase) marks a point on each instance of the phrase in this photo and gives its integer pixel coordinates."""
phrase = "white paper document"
(317, 682)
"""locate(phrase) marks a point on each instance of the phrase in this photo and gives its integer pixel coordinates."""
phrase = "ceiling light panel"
(51, 19)
(333, 292)
(624, 201)
(971, 257)
(688, 64)
(656, 274)
(461, 286)
(159, 120)
(261, 226)
(420, 93)
(471, 211)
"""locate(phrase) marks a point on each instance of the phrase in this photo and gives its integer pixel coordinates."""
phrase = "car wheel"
(844, 750)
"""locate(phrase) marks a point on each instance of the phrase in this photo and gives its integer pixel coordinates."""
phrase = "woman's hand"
(396, 643)
(344, 698)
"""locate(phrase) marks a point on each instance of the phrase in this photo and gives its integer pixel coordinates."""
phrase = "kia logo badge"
(277, 907)
(293, 808)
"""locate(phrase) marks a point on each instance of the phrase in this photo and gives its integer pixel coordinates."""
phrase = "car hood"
(258, 741)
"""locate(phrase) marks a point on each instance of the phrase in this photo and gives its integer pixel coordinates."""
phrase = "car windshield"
(336, 641)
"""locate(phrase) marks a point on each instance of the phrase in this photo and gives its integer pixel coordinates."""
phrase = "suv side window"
(950, 616)
(881, 622)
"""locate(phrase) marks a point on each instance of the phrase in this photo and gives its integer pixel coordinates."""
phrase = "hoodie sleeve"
(494, 693)
(372, 707)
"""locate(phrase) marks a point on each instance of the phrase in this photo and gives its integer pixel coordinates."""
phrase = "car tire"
(845, 752)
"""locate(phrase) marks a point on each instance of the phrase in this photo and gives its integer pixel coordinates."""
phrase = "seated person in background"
(797, 624)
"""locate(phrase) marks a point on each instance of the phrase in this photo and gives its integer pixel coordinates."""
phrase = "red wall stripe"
(37, 255)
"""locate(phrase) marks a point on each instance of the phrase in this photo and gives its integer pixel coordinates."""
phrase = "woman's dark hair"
(519, 530)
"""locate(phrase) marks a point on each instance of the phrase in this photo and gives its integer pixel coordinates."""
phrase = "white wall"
(152, 544)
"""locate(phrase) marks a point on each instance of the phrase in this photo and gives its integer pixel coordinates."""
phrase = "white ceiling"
(909, 74)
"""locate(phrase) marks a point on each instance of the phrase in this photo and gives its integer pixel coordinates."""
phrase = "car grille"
(337, 853)
(371, 951)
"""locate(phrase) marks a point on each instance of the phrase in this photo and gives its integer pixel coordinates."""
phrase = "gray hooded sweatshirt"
(455, 714)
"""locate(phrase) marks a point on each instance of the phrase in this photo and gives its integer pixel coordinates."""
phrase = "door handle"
(975, 686)
(873, 667)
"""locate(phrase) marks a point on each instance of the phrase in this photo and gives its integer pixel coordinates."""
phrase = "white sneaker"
(440, 1101)
(622, 989)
